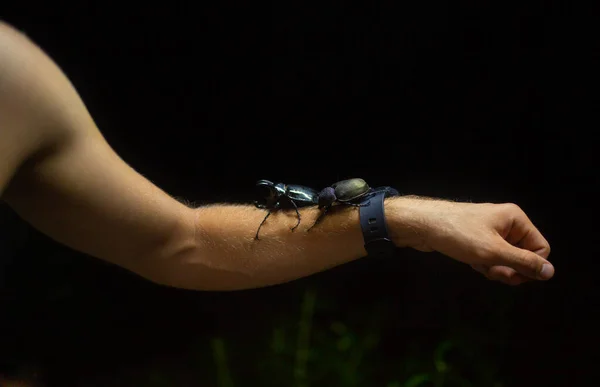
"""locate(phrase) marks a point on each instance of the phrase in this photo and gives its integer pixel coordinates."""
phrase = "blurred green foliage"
(316, 335)
(313, 349)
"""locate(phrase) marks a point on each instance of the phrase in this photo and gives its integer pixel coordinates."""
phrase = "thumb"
(526, 262)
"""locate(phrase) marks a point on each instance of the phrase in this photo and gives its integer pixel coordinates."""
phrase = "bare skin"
(58, 173)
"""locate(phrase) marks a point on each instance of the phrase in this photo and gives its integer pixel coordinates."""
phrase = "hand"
(497, 240)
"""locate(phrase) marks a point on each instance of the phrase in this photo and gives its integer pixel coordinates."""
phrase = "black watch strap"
(374, 227)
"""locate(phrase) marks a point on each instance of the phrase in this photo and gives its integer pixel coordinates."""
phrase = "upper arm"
(19, 140)
(71, 185)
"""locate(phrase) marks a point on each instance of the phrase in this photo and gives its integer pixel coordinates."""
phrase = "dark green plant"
(346, 355)
(220, 356)
(348, 348)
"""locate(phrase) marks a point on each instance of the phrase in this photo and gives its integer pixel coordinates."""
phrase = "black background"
(474, 101)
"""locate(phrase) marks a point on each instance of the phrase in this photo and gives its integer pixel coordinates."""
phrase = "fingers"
(524, 251)
(525, 235)
(525, 262)
(502, 274)
(507, 275)
(514, 266)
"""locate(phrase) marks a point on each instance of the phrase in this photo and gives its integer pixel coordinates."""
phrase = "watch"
(373, 224)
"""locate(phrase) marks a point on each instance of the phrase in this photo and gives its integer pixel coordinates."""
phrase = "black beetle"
(349, 192)
(345, 192)
(281, 196)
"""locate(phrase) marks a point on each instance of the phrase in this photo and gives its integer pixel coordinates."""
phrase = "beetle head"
(327, 197)
(266, 193)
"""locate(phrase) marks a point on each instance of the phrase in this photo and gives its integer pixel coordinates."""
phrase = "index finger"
(525, 235)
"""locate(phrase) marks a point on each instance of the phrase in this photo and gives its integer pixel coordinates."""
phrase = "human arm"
(498, 240)
(63, 177)
(60, 174)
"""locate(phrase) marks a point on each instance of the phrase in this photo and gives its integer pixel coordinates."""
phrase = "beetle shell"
(301, 195)
(280, 189)
(351, 189)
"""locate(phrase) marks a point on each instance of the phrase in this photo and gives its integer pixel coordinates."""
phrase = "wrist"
(406, 223)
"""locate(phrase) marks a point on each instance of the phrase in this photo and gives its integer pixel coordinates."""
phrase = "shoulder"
(27, 102)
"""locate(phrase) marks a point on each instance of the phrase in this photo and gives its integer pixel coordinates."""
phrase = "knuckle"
(546, 250)
(512, 208)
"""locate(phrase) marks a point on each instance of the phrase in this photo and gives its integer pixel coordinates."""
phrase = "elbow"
(189, 261)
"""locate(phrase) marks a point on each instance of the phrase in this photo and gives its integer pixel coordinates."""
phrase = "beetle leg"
(261, 223)
(325, 209)
(297, 213)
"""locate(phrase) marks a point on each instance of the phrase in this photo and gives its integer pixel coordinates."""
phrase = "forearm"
(225, 256)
